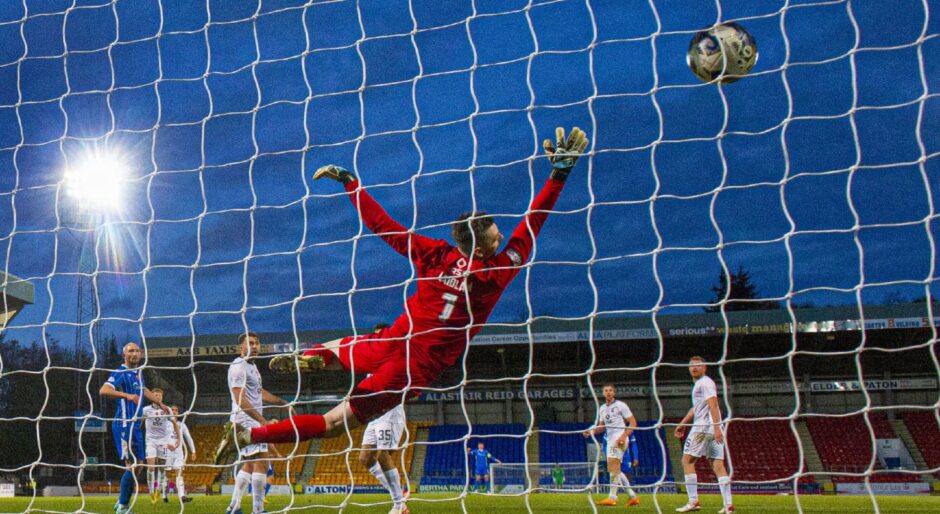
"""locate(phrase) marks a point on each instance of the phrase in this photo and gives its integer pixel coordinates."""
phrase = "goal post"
(518, 478)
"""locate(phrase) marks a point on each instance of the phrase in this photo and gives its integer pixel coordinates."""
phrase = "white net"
(193, 130)
(543, 477)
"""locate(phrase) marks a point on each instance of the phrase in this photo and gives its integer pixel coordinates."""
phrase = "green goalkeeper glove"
(334, 172)
(565, 153)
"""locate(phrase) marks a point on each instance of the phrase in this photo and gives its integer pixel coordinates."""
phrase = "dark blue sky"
(224, 117)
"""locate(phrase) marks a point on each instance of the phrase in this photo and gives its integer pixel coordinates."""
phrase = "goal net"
(542, 477)
(156, 162)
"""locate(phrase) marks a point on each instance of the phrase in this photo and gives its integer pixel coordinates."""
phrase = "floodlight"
(96, 181)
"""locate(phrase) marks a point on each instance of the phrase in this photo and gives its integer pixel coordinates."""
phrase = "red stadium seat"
(845, 445)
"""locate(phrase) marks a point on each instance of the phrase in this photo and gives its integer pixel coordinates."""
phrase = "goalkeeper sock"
(691, 487)
(257, 496)
(301, 427)
(379, 475)
(127, 488)
(327, 355)
(394, 485)
(267, 487)
(625, 482)
(724, 484)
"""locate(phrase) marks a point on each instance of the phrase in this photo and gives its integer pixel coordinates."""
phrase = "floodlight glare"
(96, 182)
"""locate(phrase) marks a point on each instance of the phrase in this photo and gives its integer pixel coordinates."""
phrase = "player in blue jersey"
(126, 386)
(481, 459)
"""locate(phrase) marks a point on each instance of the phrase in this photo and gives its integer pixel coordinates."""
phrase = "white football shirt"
(158, 426)
(703, 390)
(187, 438)
(245, 374)
(614, 416)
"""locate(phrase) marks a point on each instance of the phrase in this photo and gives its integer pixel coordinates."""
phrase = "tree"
(744, 295)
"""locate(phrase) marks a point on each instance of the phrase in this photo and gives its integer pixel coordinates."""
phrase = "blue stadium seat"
(571, 446)
(450, 459)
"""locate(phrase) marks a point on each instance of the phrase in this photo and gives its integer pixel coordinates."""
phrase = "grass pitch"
(440, 503)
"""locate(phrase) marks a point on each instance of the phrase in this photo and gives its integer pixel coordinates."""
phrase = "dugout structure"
(17, 294)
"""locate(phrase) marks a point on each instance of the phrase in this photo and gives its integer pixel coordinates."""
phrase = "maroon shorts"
(384, 356)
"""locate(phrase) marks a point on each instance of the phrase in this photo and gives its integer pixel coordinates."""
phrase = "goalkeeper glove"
(565, 153)
(332, 171)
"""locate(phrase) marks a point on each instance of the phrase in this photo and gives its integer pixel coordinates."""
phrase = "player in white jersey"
(706, 438)
(248, 398)
(379, 441)
(176, 459)
(159, 428)
(615, 417)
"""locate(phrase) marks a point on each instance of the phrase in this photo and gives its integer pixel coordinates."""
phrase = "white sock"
(151, 480)
(163, 482)
(180, 486)
(379, 475)
(257, 492)
(625, 482)
(241, 485)
(394, 485)
(614, 482)
(724, 484)
(691, 487)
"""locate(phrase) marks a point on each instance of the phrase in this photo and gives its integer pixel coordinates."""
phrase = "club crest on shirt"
(514, 257)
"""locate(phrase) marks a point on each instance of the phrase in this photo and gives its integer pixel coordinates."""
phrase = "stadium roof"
(17, 293)
(639, 327)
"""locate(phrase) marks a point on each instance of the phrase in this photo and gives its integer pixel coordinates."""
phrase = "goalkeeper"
(558, 476)
(457, 289)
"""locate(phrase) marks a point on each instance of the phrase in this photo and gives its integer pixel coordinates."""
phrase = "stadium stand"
(446, 463)
(562, 447)
(572, 447)
(295, 463)
(760, 450)
(201, 474)
(331, 467)
(845, 446)
(926, 433)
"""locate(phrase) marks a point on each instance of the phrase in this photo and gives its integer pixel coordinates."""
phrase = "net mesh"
(815, 173)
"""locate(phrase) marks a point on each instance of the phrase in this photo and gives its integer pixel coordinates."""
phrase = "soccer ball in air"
(727, 51)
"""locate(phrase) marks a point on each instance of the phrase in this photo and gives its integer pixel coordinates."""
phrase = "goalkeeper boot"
(689, 507)
(234, 437)
(291, 363)
(607, 502)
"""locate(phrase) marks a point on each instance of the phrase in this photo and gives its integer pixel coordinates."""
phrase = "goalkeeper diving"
(458, 287)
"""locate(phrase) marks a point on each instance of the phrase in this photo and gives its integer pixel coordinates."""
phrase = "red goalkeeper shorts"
(384, 356)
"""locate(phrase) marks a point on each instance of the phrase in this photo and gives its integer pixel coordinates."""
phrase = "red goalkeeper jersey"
(455, 294)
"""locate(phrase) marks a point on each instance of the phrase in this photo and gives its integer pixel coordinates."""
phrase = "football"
(727, 51)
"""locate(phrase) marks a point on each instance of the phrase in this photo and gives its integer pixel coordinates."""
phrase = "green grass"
(483, 504)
